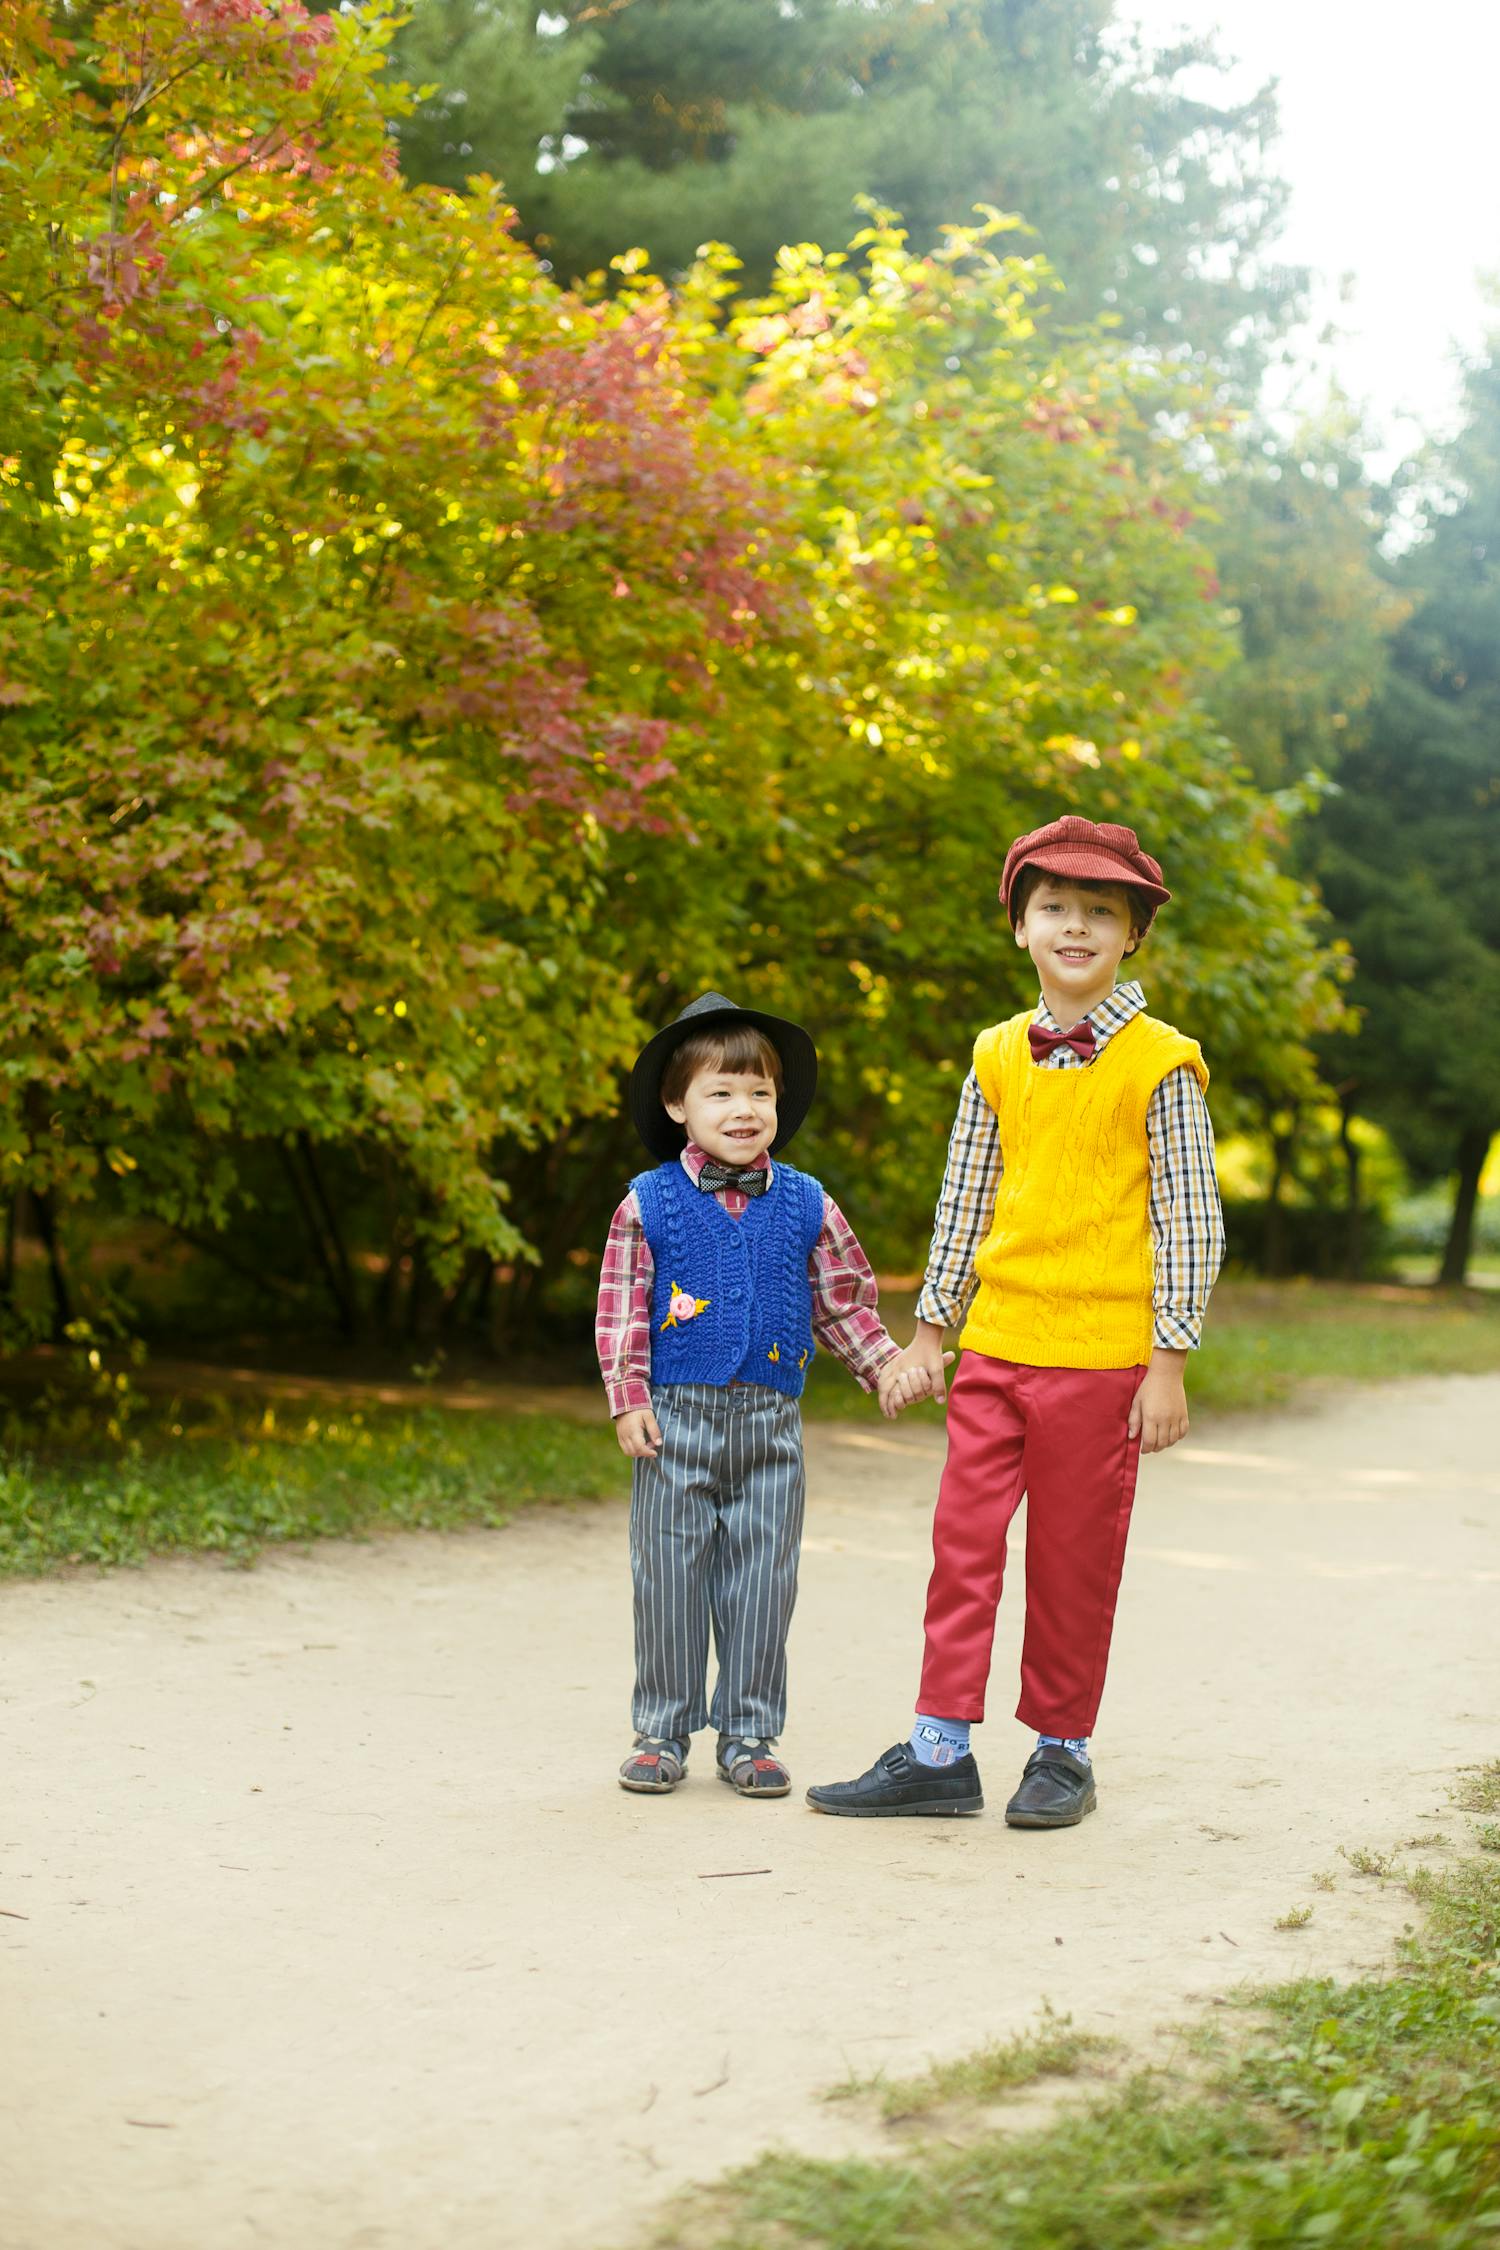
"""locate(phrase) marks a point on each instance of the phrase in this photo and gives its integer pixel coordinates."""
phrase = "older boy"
(722, 1275)
(1079, 1228)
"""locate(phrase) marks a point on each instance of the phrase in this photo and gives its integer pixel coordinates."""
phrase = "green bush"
(1421, 1223)
(1314, 1238)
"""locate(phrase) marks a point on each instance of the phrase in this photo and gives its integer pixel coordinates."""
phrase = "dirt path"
(337, 1935)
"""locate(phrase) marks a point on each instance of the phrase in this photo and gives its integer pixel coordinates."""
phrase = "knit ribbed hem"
(1023, 1348)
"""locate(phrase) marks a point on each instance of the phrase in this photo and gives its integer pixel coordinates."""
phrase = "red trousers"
(1058, 1434)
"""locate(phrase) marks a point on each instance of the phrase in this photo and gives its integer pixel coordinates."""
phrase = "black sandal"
(751, 1768)
(653, 1766)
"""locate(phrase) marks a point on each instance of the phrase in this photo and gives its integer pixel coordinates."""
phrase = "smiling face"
(1077, 935)
(731, 1114)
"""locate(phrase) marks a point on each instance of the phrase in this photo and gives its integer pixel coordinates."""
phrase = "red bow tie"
(1080, 1039)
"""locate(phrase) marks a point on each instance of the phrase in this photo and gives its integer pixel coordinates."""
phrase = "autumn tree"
(1008, 610)
(346, 563)
(416, 679)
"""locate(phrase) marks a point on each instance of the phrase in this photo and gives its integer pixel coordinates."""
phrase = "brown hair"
(1029, 877)
(736, 1047)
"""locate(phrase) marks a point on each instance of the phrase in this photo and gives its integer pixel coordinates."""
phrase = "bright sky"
(1389, 143)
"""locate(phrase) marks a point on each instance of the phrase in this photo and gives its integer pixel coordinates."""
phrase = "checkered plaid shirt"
(844, 1319)
(1187, 1222)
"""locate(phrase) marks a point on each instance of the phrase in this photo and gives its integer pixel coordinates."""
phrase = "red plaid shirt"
(844, 1292)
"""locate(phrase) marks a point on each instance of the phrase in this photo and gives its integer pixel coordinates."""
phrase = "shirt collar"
(1111, 1015)
(694, 1158)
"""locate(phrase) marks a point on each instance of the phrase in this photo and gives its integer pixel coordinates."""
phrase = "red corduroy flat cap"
(1096, 851)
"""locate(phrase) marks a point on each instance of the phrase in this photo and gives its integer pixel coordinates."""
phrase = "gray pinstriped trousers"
(715, 1527)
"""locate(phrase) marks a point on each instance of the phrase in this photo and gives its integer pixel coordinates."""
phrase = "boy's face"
(1076, 937)
(731, 1114)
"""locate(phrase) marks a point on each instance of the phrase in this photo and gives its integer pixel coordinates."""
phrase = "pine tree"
(758, 122)
(502, 84)
(1409, 856)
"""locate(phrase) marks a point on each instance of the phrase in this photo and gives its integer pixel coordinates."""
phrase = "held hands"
(1158, 1412)
(921, 1371)
(639, 1434)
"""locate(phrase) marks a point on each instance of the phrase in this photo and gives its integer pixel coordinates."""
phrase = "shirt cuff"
(942, 1308)
(867, 1374)
(630, 1395)
(1177, 1331)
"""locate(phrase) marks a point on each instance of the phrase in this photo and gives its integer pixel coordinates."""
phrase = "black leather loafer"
(896, 1787)
(1056, 1790)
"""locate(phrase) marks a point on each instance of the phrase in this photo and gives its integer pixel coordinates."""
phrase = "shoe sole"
(649, 1788)
(784, 1791)
(956, 1809)
(1043, 1820)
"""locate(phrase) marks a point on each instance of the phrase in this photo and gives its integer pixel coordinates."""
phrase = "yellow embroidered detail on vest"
(1065, 1272)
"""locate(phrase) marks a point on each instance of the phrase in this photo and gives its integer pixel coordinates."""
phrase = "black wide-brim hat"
(799, 1071)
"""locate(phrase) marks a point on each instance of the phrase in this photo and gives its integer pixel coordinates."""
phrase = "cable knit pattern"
(745, 1278)
(1065, 1272)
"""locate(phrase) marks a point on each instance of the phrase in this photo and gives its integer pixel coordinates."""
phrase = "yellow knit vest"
(1065, 1272)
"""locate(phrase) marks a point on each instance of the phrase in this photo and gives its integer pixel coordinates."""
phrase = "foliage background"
(418, 678)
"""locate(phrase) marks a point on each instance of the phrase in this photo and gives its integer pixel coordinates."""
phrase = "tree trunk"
(46, 1227)
(416, 1295)
(274, 1284)
(342, 1305)
(471, 1280)
(530, 1280)
(397, 1244)
(1274, 1250)
(8, 1272)
(484, 1305)
(1354, 1216)
(1473, 1148)
(348, 1287)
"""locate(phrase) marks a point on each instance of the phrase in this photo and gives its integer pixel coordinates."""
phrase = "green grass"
(1479, 1790)
(234, 1478)
(97, 1473)
(1378, 1864)
(1264, 1341)
(1352, 2116)
(1052, 2049)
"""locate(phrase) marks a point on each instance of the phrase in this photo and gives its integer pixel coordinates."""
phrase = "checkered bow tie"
(1080, 1039)
(753, 1180)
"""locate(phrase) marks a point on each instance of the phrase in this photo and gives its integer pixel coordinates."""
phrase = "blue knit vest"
(746, 1279)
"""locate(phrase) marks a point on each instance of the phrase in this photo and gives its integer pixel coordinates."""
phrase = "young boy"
(722, 1274)
(1079, 1228)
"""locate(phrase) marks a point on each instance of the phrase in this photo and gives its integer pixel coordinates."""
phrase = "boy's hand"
(1158, 1412)
(927, 1357)
(921, 1371)
(900, 1387)
(639, 1434)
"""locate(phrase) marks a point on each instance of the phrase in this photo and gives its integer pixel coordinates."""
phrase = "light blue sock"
(1077, 1743)
(939, 1742)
